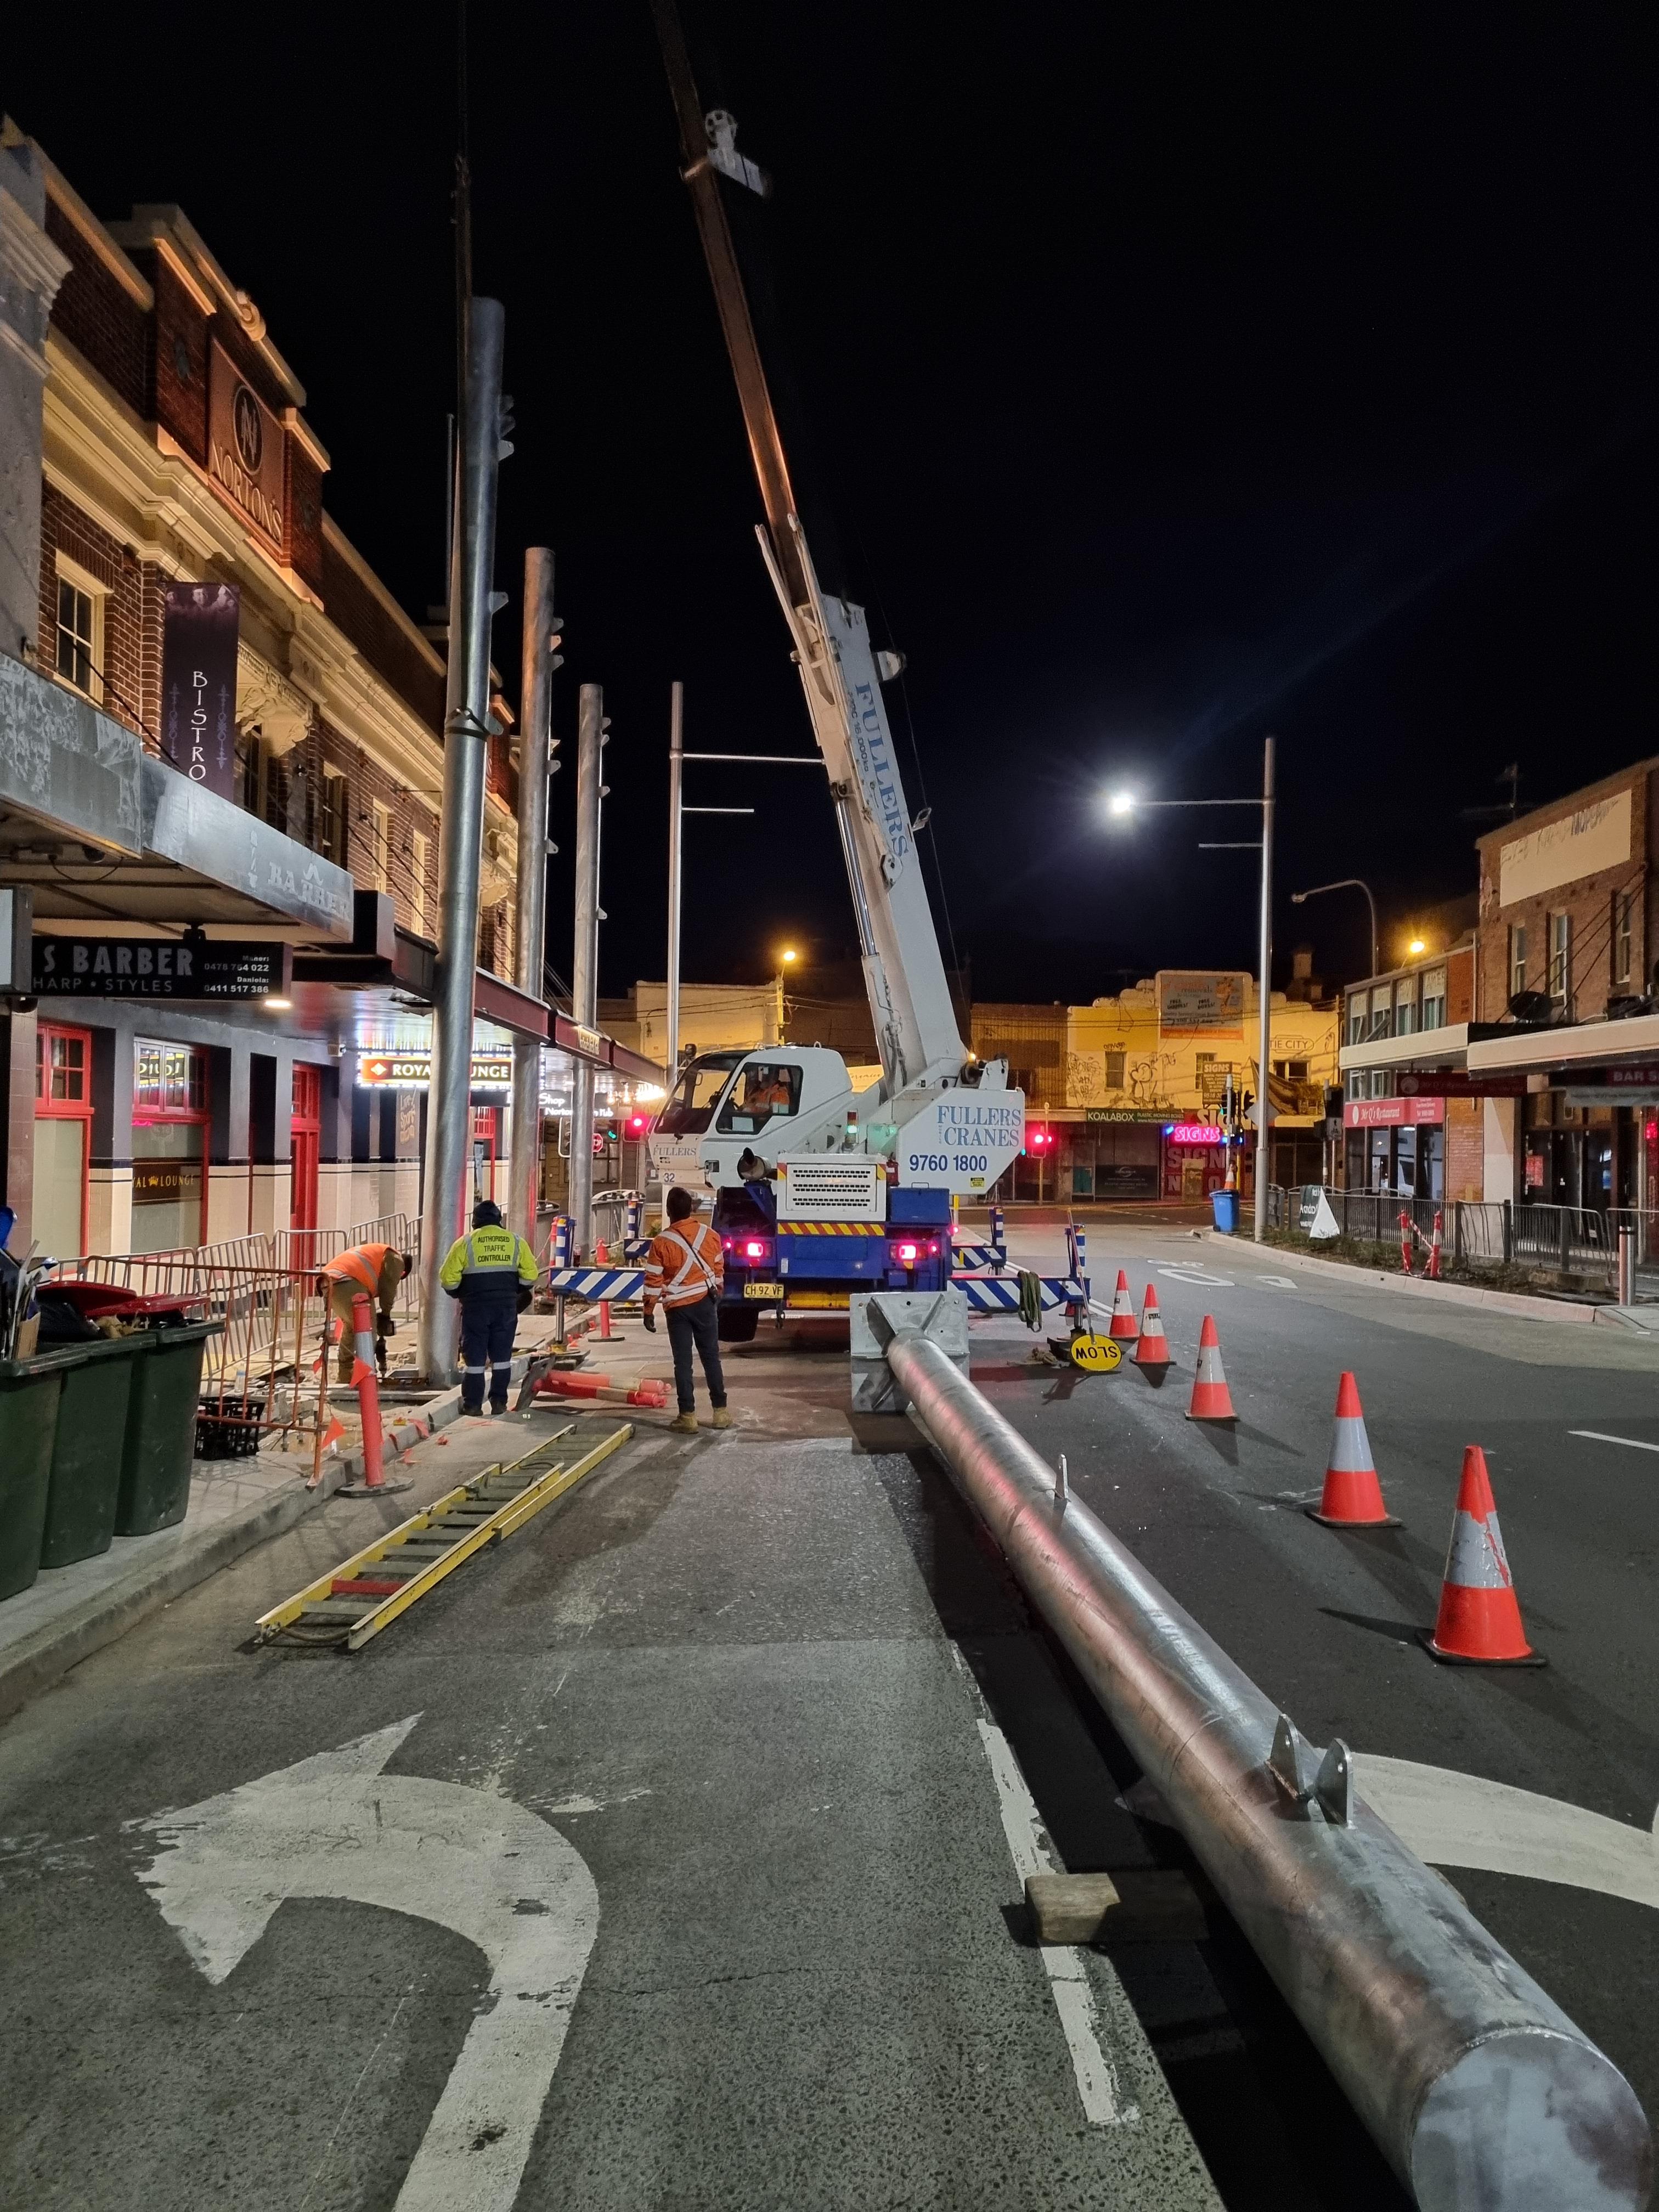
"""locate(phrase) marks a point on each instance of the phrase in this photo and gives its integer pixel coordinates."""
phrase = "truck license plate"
(762, 1289)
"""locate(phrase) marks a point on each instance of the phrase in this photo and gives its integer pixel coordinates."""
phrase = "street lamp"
(1345, 883)
(1123, 804)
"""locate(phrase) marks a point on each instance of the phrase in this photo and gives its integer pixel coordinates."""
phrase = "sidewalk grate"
(366, 1593)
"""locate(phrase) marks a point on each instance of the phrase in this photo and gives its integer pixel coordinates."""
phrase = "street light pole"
(1124, 803)
(676, 772)
(1265, 990)
(1345, 883)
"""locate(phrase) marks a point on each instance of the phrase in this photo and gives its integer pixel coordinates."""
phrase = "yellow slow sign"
(1095, 1355)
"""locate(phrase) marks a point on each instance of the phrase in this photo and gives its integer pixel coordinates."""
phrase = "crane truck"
(820, 1191)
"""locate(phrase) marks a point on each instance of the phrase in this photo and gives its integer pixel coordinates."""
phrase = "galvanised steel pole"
(676, 847)
(536, 742)
(1477, 2088)
(585, 960)
(1263, 1147)
(466, 735)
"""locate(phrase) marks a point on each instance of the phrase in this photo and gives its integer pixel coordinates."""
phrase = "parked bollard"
(1626, 1265)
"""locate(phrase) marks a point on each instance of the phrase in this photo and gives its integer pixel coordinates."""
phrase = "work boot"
(720, 1417)
(683, 1425)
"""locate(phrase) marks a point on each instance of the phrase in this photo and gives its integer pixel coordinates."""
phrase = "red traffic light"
(1038, 1140)
(638, 1124)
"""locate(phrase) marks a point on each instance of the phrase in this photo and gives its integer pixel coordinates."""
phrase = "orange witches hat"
(1479, 1623)
(1123, 1325)
(1211, 1400)
(1352, 1496)
(1153, 1349)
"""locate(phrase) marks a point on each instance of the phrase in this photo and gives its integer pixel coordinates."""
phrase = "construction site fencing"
(266, 1373)
(1580, 1241)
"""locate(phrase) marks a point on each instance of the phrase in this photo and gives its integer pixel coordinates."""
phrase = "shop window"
(1517, 958)
(169, 1147)
(1560, 983)
(334, 815)
(420, 852)
(1115, 1071)
(80, 636)
(62, 1137)
(1624, 904)
(1434, 999)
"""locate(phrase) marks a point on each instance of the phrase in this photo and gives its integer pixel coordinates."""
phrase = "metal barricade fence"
(1579, 1241)
(257, 1375)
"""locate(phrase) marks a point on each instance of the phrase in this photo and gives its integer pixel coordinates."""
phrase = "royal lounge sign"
(385, 1071)
(157, 967)
(199, 627)
(245, 448)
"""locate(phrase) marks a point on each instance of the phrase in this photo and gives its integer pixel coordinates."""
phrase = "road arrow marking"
(1465, 1820)
(335, 1826)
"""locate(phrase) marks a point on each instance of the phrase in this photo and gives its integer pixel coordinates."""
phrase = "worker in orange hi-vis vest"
(685, 1273)
(377, 1269)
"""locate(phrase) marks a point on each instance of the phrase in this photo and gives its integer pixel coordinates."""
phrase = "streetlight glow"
(1416, 947)
(1121, 803)
(787, 955)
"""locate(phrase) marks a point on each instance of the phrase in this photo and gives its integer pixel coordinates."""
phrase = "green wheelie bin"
(161, 1439)
(92, 1417)
(30, 1392)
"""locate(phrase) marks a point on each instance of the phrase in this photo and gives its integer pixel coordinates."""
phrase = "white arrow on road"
(335, 1826)
(1465, 1820)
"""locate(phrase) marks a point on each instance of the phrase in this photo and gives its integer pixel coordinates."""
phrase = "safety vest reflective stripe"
(362, 1264)
(683, 1290)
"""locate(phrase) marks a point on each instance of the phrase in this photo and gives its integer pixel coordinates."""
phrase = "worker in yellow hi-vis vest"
(492, 1272)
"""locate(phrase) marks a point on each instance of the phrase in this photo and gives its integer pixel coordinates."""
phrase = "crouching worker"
(373, 1269)
(492, 1272)
(685, 1273)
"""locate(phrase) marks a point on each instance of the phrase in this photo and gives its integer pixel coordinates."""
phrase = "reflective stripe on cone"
(1153, 1348)
(1479, 1623)
(1211, 1400)
(1122, 1324)
(1352, 1496)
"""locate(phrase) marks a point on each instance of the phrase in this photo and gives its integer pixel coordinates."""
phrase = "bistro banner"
(199, 626)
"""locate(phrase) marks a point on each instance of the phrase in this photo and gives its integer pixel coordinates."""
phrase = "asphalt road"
(1327, 1623)
(722, 1693)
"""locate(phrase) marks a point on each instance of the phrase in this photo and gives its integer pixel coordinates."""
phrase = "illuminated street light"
(1416, 947)
(1121, 803)
(787, 954)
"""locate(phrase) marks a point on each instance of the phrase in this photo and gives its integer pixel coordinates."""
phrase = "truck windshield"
(691, 1104)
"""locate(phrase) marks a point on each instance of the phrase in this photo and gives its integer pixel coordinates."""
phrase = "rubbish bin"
(161, 1440)
(30, 1393)
(1226, 1205)
(86, 1461)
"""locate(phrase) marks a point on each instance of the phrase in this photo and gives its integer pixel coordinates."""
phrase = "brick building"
(1566, 972)
(152, 437)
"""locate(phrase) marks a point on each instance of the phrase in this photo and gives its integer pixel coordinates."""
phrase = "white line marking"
(1597, 1437)
(1190, 1272)
(1464, 1820)
(1097, 2078)
(335, 1826)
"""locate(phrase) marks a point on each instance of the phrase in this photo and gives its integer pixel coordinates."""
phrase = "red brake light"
(754, 1249)
(727, 1241)
(906, 1254)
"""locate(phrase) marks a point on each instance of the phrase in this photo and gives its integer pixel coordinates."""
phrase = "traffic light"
(1039, 1139)
(638, 1125)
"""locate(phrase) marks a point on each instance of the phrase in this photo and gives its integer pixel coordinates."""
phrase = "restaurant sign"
(156, 968)
(200, 624)
(1393, 1113)
(245, 448)
(491, 1070)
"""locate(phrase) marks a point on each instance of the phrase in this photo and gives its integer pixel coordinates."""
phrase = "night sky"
(1174, 375)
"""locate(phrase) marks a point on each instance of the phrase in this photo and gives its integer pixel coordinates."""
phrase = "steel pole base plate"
(1325, 1520)
(388, 1486)
(1425, 1638)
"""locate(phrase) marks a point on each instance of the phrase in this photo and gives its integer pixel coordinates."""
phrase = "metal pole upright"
(676, 827)
(585, 961)
(536, 742)
(1265, 993)
(467, 733)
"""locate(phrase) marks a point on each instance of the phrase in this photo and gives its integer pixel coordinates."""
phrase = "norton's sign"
(245, 448)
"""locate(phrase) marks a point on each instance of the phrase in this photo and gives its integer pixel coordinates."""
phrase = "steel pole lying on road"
(1478, 2089)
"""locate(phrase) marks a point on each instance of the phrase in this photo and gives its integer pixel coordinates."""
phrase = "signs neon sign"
(1196, 1133)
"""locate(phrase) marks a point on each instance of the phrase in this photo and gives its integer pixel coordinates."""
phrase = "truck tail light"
(756, 1248)
(906, 1254)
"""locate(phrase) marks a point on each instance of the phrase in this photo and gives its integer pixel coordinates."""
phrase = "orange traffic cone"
(1212, 1399)
(1123, 1325)
(1153, 1349)
(1479, 1623)
(1353, 1497)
